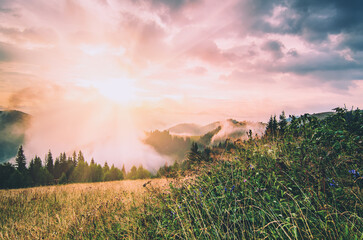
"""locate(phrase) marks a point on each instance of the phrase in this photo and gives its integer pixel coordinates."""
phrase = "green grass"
(297, 186)
(248, 196)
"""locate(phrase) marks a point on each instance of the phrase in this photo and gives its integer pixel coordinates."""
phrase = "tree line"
(62, 170)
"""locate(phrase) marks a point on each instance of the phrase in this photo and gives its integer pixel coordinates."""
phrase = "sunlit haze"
(96, 74)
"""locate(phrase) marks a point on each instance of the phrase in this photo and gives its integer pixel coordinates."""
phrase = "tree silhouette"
(282, 123)
(20, 160)
(49, 162)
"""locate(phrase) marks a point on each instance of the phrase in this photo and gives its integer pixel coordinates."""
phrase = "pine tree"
(194, 154)
(20, 160)
(268, 131)
(80, 157)
(56, 169)
(282, 123)
(123, 170)
(274, 126)
(49, 162)
(74, 156)
(63, 165)
(106, 168)
(35, 170)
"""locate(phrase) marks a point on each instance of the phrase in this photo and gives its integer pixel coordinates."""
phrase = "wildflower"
(354, 173)
(225, 189)
(251, 166)
(332, 183)
(232, 188)
(245, 180)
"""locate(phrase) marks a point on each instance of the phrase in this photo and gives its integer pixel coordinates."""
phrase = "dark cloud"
(354, 41)
(338, 60)
(5, 10)
(4, 56)
(313, 20)
(5, 52)
(173, 4)
(322, 64)
(331, 68)
(293, 52)
(274, 47)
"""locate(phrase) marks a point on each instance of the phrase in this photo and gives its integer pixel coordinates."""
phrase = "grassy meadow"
(300, 181)
(73, 211)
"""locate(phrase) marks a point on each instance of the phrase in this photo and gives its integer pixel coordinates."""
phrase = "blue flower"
(232, 188)
(225, 189)
(332, 183)
(354, 172)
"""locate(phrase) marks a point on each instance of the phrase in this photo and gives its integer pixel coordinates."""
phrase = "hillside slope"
(176, 141)
(12, 128)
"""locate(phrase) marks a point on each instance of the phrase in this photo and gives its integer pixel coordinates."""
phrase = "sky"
(81, 66)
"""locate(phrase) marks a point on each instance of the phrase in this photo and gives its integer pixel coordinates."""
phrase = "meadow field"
(73, 210)
(301, 180)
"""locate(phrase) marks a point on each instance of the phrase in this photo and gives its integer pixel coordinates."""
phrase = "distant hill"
(322, 115)
(191, 129)
(229, 128)
(176, 141)
(12, 128)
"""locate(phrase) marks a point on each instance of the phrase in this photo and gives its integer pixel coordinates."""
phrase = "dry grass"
(57, 212)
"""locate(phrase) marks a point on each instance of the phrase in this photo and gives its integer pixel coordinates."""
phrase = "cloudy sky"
(171, 61)
(234, 58)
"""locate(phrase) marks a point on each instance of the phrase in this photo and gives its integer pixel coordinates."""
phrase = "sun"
(121, 90)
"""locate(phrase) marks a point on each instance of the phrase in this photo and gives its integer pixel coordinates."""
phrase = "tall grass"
(74, 211)
(255, 199)
(305, 185)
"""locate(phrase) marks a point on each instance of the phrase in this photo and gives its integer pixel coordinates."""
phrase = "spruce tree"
(274, 126)
(106, 168)
(49, 162)
(56, 169)
(269, 131)
(80, 157)
(20, 160)
(282, 123)
(74, 156)
(123, 170)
